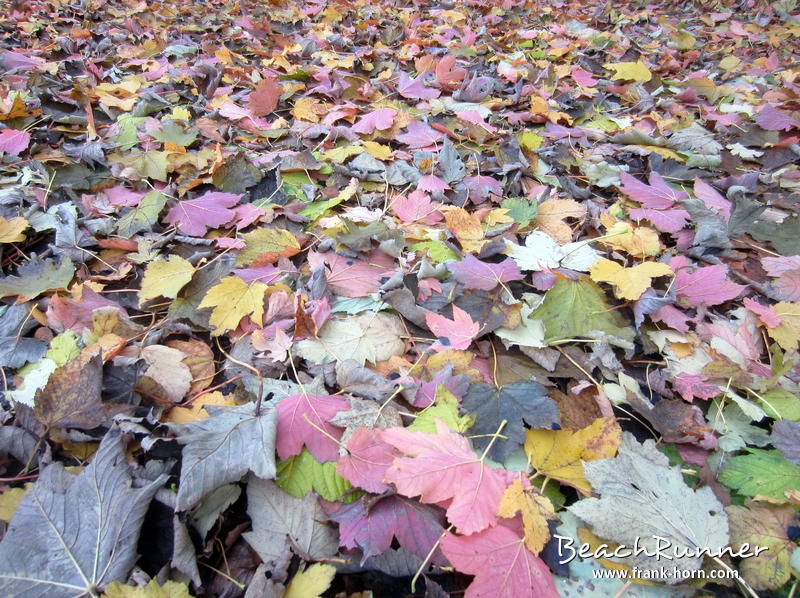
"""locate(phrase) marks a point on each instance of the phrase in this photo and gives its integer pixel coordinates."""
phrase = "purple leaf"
(475, 274)
(195, 216)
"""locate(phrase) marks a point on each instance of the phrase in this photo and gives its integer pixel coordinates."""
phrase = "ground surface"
(344, 297)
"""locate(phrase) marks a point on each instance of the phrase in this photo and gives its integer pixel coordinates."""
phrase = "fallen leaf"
(536, 511)
(165, 278)
(630, 282)
(233, 299)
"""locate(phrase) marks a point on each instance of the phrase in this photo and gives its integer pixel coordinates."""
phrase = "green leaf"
(445, 408)
(762, 472)
(781, 404)
(63, 348)
(35, 277)
(437, 251)
(785, 237)
(127, 137)
(143, 216)
(301, 474)
(520, 209)
(578, 309)
(173, 132)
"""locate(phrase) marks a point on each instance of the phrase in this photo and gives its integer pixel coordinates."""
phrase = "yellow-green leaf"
(232, 300)
(629, 71)
(165, 278)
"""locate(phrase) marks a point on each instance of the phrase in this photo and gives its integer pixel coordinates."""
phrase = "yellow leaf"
(630, 282)
(309, 109)
(377, 150)
(9, 501)
(638, 241)
(788, 332)
(232, 300)
(466, 227)
(629, 71)
(196, 411)
(558, 454)
(536, 509)
(340, 154)
(265, 245)
(551, 215)
(683, 40)
(171, 589)
(310, 583)
(11, 230)
(165, 278)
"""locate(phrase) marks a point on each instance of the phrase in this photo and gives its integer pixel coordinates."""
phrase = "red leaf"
(381, 119)
(14, 142)
(708, 285)
(416, 207)
(503, 567)
(417, 527)
(447, 75)
(453, 334)
(442, 468)
(264, 98)
(419, 135)
(195, 216)
(367, 459)
(294, 430)
(475, 274)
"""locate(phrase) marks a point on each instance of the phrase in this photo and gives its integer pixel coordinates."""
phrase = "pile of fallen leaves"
(381, 298)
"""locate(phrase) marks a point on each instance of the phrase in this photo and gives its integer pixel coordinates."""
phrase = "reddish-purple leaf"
(766, 313)
(452, 334)
(431, 184)
(264, 98)
(656, 196)
(708, 285)
(693, 386)
(351, 277)
(14, 142)
(713, 200)
(415, 89)
(480, 187)
(447, 74)
(672, 317)
(772, 119)
(417, 527)
(303, 420)
(667, 221)
(582, 77)
(475, 274)
(266, 274)
(419, 135)
(367, 459)
(503, 567)
(195, 216)
(380, 119)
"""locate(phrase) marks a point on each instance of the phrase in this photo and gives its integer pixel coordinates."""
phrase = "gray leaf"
(184, 558)
(786, 438)
(16, 320)
(514, 403)
(16, 352)
(710, 231)
(641, 497)
(367, 168)
(74, 534)
(453, 168)
(222, 448)
(401, 173)
(277, 516)
(18, 443)
(744, 213)
(212, 506)
(362, 381)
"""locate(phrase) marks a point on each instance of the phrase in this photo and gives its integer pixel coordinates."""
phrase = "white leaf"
(369, 337)
(541, 252)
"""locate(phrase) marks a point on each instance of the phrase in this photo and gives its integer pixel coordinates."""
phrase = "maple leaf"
(265, 246)
(366, 460)
(476, 274)
(303, 421)
(415, 88)
(419, 135)
(629, 71)
(232, 300)
(417, 206)
(352, 277)
(630, 282)
(380, 119)
(536, 511)
(447, 74)
(442, 468)
(541, 252)
(707, 285)
(457, 333)
(14, 142)
(264, 98)
(514, 403)
(657, 200)
(165, 278)
(503, 567)
(371, 527)
(551, 214)
(196, 216)
(370, 336)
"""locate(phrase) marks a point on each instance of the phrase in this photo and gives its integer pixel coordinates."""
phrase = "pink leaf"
(503, 567)
(122, 196)
(656, 196)
(447, 74)
(367, 459)
(431, 184)
(693, 386)
(707, 285)
(380, 119)
(351, 277)
(772, 119)
(442, 468)
(713, 200)
(453, 334)
(582, 77)
(195, 216)
(766, 313)
(416, 207)
(475, 274)
(672, 317)
(415, 89)
(264, 274)
(371, 527)
(480, 187)
(294, 430)
(419, 135)
(776, 266)
(13, 141)
(667, 221)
